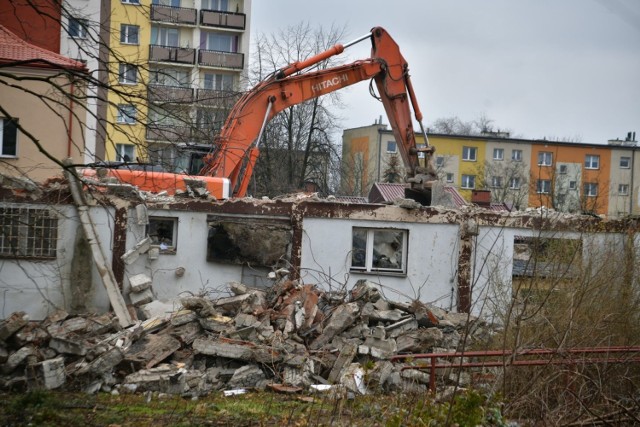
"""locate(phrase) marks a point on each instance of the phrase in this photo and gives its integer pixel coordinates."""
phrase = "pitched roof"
(14, 49)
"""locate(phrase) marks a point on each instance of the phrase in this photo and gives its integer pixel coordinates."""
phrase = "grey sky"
(540, 68)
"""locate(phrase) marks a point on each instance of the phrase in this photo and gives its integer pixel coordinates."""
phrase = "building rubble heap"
(289, 337)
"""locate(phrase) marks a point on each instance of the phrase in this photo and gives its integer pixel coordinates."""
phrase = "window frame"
(469, 154)
(395, 147)
(5, 132)
(369, 267)
(449, 177)
(628, 162)
(126, 34)
(563, 169)
(543, 157)
(172, 248)
(124, 70)
(133, 2)
(588, 187)
(592, 161)
(573, 185)
(498, 154)
(126, 118)
(496, 182)
(623, 189)
(121, 152)
(516, 155)
(162, 36)
(35, 231)
(439, 161)
(464, 182)
(542, 185)
(80, 27)
(514, 183)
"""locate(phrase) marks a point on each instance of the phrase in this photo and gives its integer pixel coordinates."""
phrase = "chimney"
(481, 198)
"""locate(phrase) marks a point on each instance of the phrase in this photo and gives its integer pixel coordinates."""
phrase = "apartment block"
(571, 177)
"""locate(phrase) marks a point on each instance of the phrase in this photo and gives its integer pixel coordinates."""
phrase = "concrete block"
(139, 282)
(182, 317)
(157, 308)
(216, 323)
(222, 349)
(246, 376)
(68, 346)
(52, 373)
(345, 358)
(13, 324)
(341, 319)
(103, 363)
(141, 298)
(398, 328)
(420, 340)
(16, 359)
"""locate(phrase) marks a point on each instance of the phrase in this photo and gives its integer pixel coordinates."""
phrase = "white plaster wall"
(191, 254)
(432, 259)
(39, 287)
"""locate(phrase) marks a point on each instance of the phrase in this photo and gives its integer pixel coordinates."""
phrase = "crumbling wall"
(432, 259)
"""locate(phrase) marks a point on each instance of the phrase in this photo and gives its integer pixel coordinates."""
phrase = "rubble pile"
(288, 337)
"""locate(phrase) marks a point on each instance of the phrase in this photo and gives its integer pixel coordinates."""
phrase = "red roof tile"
(14, 49)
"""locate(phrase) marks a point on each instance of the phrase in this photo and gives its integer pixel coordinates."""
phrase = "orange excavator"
(228, 168)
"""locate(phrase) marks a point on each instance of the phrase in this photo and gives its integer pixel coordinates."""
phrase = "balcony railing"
(217, 98)
(215, 58)
(176, 15)
(168, 133)
(159, 93)
(216, 18)
(181, 55)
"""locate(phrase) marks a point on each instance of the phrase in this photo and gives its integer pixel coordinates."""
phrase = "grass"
(42, 408)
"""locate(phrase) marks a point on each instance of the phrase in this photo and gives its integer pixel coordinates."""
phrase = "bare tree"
(393, 172)
(297, 144)
(454, 125)
(508, 181)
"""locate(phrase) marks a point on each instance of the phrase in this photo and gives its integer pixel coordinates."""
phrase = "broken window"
(163, 232)
(28, 233)
(546, 257)
(379, 250)
(249, 241)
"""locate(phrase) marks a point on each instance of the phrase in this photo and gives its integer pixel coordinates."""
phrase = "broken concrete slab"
(139, 282)
(365, 291)
(157, 308)
(13, 324)
(49, 374)
(18, 358)
(344, 360)
(31, 334)
(223, 349)
(202, 306)
(182, 317)
(141, 298)
(103, 363)
(378, 348)
(216, 323)
(396, 329)
(69, 345)
(246, 376)
(134, 253)
(151, 349)
(164, 379)
(231, 305)
(420, 340)
(341, 319)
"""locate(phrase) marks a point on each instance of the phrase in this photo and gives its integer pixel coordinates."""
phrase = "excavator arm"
(237, 144)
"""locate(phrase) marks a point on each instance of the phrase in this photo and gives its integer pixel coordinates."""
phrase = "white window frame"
(125, 73)
(395, 147)
(498, 154)
(623, 189)
(516, 155)
(170, 77)
(123, 150)
(128, 33)
(592, 161)
(496, 182)
(78, 28)
(221, 42)
(135, 2)
(543, 186)
(449, 177)
(514, 183)
(573, 185)
(369, 267)
(8, 132)
(167, 244)
(468, 182)
(545, 158)
(469, 154)
(439, 161)
(127, 114)
(218, 5)
(625, 162)
(591, 189)
(217, 81)
(165, 36)
(168, 3)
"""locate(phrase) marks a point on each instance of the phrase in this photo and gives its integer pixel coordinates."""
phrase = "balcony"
(174, 15)
(216, 18)
(181, 55)
(168, 133)
(217, 98)
(159, 93)
(215, 58)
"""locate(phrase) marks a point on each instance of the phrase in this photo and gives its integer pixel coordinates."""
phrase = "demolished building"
(162, 248)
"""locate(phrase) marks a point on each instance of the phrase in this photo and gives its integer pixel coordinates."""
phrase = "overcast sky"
(540, 68)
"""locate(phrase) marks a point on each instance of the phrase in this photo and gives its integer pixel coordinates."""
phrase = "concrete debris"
(289, 337)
